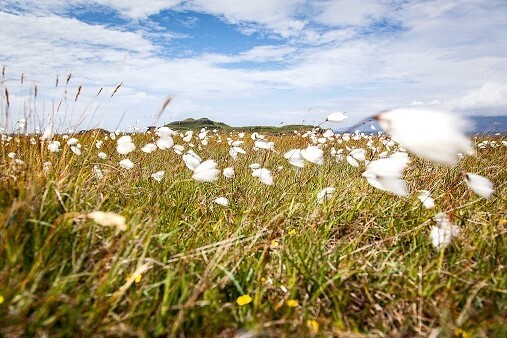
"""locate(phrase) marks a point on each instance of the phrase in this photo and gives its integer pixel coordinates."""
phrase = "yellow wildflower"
(292, 303)
(292, 232)
(459, 333)
(243, 300)
(313, 325)
(137, 277)
(1, 299)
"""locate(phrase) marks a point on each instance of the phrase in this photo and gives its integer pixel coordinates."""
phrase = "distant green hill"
(190, 124)
(195, 124)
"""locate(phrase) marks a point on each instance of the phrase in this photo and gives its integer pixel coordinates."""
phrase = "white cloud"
(127, 8)
(275, 15)
(138, 9)
(313, 37)
(21, 32)
(489, 95)
(350, 12)
(267, 53)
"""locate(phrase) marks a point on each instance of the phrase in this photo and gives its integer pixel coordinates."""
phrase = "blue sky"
(252, 62)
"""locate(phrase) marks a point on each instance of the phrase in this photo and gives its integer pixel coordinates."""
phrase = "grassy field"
(273, 262)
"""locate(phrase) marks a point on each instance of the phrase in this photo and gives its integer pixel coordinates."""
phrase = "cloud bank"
(257, 62)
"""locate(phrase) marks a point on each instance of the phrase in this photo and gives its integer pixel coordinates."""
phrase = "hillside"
(488, 124)
(194, 124)
(478, 124)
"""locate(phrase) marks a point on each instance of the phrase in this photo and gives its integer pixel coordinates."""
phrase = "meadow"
(187, 251)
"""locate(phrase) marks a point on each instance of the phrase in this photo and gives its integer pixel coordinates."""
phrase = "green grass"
(360, 264)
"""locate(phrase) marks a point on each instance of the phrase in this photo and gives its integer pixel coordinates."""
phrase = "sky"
(253, 62)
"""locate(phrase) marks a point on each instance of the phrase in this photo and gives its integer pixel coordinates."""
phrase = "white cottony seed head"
(434, 135)
(481, 185)
(442, 234)
(264, 175)
(386, 174)
(206, 172)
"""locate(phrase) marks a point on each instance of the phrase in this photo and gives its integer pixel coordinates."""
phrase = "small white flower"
(165, 143)
(178, 149)
(256, 136)
(97, 172)
(481, 185)
(125, 145)
(206, 172)
(352, 161)
(328, 133)
(158, 176)
(233, 153)
(12, 155)
(239, 150)
(295, 158)
(76, 150)
(54, 146)
(222, 201)
(102, 155)
(203, 134)
(359, 154)
(426, 199)
(188, 136)
(325, 194)
(21, 124)
(165, 132)
(72, 141)
(48, 133)
(313, 154)
(149, 148)
(108, 219)
(126, 164)
(264, 175)
(442, 234)
(434, 135)
(228, 172)
(192, 160)
(336, 117)
(263, 144)
(386, 174)
(254, 166)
